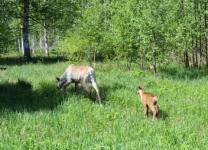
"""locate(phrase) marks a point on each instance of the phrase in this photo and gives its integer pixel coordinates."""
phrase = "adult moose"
(79, 74)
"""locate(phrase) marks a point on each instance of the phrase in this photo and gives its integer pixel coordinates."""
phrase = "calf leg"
(154, 111)
(157, 109)
(145, 111)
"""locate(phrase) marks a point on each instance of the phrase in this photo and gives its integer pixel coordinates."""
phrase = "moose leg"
(86, 88)
(76, 86)
(65, 87)
(97, 90)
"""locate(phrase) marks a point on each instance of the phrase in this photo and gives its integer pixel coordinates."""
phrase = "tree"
(25, 29)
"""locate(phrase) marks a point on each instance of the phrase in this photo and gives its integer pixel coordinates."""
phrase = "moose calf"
(149, 102)
(78, 74)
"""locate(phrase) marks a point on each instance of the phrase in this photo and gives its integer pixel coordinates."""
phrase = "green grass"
(34, 115)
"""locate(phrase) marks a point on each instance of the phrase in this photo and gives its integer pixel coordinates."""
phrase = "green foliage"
(128, 29)
(59, 15)
(73, 45)
(134, 30)
(8, 24)
(148, 32)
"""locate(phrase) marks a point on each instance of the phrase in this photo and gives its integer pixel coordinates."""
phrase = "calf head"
(140, 89)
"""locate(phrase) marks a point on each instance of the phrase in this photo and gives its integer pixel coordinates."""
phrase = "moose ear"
(57, 78)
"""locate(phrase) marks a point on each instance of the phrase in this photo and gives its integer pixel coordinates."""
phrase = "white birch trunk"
(19, 45)
(45, 39)
(22, 45)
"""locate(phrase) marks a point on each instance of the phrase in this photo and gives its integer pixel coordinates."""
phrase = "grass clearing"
(34, 115)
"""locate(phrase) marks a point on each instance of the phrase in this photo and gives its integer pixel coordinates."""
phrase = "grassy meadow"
(35, 115)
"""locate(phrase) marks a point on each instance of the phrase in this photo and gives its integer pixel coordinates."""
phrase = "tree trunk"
(45, 39)
(154, 62)
(196, 37)
(33, 44)
(45, 27)
(186, 59)
(19, 45)
(200, 35)
(142, 60)
(40, 41)
(94, 59)
(22, 45)
(193, 56)
(206, 40)
(206, 49)
(85, 2)
(196, 55)
(25, 30)
(200, 51)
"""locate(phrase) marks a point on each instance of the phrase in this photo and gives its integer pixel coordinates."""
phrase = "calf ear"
(140, 88)
(57, 78)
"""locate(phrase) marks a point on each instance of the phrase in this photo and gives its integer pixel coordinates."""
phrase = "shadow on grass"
(3, 68)
(162, 114)
(107, 90)
(20, 96)
(37, 59)
(104, 92)
(179, 72)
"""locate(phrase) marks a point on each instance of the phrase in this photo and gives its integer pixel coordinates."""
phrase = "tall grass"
(35, 115)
